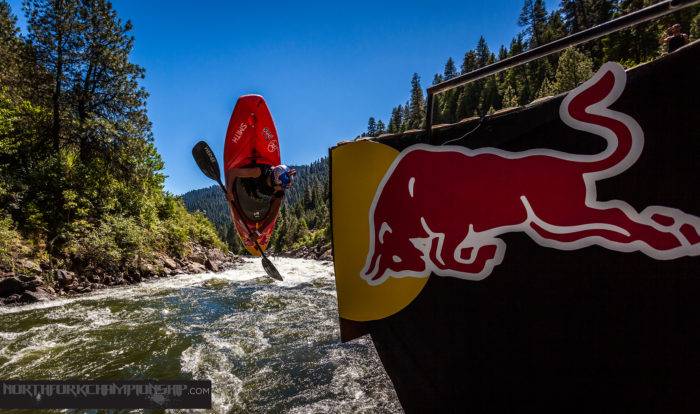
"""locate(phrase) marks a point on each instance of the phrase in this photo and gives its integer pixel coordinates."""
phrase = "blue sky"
(323, 67)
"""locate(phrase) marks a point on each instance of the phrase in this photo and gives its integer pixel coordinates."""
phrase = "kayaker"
(270, 181)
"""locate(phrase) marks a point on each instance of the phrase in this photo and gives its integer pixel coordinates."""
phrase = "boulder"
(147, 270)
(64, 277)
(169, 263)
(74, 285)
(198, 257)
(211, 266)
(39, 296)
(31, 282)
(10, 286)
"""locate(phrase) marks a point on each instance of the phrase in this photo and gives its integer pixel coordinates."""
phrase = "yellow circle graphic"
(358, 167)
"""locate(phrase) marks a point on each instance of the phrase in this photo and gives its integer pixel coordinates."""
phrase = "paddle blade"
(206, 160)
(270, 269)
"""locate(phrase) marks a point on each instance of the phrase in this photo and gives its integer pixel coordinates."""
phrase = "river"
(266, 347)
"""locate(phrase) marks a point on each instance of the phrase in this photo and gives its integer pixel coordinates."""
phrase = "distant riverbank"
(31, 282)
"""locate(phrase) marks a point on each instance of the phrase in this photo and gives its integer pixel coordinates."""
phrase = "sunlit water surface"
(266, 347)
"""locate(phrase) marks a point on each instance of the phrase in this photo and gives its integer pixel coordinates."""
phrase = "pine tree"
(547, 88)
(381, 128)
(483, 54)
(107, 86)
(405, 117)
(510, 97)
(490, 99)
(54, 32)
(502, 52)
(469, 63)
(537, 72)
(395, 121)
(517, 78)
(417, 109)
(450, 70)
(574, 68)
(470, 95)
(533, 18)
(371, 127)
(555, 28)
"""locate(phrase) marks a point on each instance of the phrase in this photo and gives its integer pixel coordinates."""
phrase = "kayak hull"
(251, 140)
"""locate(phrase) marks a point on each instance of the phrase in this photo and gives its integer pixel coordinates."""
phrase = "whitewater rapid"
(266, 347)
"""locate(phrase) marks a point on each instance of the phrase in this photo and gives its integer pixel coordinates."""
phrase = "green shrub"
(310, 239)
(179, 227)
(93, 246)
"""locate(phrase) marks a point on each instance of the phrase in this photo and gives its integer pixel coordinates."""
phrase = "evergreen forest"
(81, 185)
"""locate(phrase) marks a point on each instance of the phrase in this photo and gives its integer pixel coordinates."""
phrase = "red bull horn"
(441, 209)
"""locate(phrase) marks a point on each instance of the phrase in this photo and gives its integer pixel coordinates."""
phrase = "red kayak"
(251, 141)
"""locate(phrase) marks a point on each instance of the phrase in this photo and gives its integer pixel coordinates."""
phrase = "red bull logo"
(442, 209)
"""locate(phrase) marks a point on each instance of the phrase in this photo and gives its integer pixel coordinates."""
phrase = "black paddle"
(206, 160)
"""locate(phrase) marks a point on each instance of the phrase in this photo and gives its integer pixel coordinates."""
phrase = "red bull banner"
(558, 241)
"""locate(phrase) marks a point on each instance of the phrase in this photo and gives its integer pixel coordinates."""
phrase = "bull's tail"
(586, 108)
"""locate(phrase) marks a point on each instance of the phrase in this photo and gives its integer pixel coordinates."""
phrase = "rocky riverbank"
(34, 282)
(318, 252)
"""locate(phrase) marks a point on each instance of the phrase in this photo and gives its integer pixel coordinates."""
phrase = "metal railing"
(640, 16)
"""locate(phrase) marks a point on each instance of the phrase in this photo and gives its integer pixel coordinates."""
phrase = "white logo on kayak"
(267, 134)
(239, 132)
